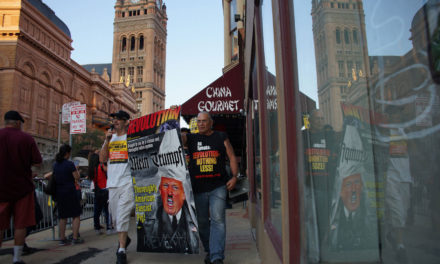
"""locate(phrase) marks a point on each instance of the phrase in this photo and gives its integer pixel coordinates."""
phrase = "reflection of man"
(351, 193)
(172, 229)
(398, 184)
(319, 153)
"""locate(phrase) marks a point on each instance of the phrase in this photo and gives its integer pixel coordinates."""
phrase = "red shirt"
(100, 179)
(18, 152)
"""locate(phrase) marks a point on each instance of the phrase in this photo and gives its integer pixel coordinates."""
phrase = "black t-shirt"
(320, 158)
(207, 161)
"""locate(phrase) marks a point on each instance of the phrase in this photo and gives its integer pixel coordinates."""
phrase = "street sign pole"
(59, 130)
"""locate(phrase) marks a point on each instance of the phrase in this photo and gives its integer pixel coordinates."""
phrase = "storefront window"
(371, 179)
(271, 116)
(256, 132)
(233, 30)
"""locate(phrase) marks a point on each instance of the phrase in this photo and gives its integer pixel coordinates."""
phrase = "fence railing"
(49, 210)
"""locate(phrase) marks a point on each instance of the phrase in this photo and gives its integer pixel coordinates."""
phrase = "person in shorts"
(18, 153)
(119, 182)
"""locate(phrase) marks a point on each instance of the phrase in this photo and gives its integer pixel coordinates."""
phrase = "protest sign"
(164, 203)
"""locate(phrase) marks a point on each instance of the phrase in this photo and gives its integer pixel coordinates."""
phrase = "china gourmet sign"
(219, 99)
(223, 96)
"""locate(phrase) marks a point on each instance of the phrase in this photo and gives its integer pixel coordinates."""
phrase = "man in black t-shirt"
(207, 166)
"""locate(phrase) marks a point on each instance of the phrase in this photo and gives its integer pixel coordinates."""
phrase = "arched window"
(132, 43)
(141, 42)
(355, 36)
(124, 44)
(346, 36)
(338, 36)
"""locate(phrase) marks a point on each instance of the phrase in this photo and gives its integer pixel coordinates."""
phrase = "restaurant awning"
(223, 99)
(223, 96)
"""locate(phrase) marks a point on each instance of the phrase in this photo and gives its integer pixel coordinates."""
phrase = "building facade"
(339, 39)
(139, 51)
(38, 76)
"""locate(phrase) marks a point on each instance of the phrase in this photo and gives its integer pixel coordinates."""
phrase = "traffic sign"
(78, 119)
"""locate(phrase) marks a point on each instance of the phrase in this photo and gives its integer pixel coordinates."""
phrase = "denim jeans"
(210, 207)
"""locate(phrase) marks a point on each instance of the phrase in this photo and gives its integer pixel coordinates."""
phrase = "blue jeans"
(210, 207)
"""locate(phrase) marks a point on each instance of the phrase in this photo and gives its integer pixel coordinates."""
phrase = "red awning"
(223, 96)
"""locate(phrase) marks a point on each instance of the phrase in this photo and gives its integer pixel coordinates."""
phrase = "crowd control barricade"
(49, 219)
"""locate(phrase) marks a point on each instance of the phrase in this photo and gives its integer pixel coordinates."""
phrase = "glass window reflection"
(370, 149)
(271, 102)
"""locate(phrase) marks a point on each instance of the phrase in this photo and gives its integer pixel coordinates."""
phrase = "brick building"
(38, 76)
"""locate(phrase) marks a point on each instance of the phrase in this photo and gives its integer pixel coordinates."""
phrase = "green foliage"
(82, 143)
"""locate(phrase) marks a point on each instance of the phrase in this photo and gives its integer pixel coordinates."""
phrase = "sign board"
(162, 185)
(223, 96)
(78, 119)
(66, 111)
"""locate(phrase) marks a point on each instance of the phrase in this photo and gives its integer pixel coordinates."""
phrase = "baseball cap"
(13, 115)
(121, 115)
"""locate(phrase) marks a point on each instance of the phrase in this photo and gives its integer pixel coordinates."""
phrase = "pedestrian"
(98, 175)
(208, 151)
(68, 203)
(119, 182)
(398, 184)
(18, 153)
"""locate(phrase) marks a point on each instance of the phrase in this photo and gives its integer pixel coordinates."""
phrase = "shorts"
(397, 199)
(121, 202)
(23, 211)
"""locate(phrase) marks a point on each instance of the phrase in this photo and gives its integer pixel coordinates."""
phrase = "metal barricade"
(49, 211)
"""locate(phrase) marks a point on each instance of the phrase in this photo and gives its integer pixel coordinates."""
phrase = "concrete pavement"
(240, 246)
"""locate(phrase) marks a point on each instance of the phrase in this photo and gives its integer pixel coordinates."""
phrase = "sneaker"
(29, 250)
(98, 231)
(218, 261)
(64, 242)
(77, 241)
(121, 258)
(70, 237)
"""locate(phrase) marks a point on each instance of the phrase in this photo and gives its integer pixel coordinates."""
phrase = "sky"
(195, 38)
(194, 41)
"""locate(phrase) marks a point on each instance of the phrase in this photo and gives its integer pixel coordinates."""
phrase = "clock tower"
(139, 51)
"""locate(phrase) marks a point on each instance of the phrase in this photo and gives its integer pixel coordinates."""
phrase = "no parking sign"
(78, 119)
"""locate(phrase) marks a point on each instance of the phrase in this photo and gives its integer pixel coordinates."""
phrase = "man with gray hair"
(208, 150)
(18, 153)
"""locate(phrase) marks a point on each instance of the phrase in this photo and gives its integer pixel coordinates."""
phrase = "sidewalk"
(240, 246)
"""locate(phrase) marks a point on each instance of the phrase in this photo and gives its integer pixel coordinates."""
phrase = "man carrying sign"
(119, 181)
(208, 150)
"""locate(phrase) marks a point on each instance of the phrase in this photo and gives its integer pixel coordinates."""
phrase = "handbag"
(50, 187)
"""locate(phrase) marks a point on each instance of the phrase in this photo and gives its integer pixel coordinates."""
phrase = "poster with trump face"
(355, 198)
(164, 202)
